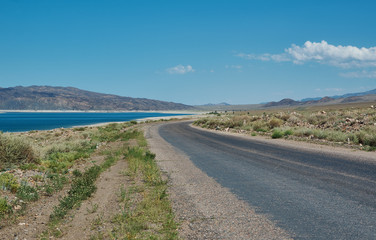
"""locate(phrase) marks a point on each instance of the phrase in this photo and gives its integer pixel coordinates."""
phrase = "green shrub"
(15, 151)
(79, 129)
(259, 126)
(5, 208)
(366, 139)
(9, 182)
(303, 132)
(353, 138)
(320, 134)
(288, 132)
(27, 193)
(55, 183)
(275, 122)
(277, 133)
(77, 173)
(82, 188)
(336, 136)
(28, 166)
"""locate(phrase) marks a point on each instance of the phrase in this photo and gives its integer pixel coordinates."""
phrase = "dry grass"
(352, 124)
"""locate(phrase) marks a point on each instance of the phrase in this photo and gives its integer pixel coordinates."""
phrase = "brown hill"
(283, 102)
(322, 101)
(69, 98)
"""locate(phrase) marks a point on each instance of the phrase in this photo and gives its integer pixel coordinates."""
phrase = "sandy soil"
(94, 216)
(203, 207)
(78, 225)
(35, 221)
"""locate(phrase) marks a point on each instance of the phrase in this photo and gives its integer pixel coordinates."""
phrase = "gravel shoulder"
(204, 209)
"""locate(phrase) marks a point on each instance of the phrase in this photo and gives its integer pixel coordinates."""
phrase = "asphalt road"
(310, 194)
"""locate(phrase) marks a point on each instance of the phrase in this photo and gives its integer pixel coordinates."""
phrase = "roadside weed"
(5, 208)
(27, 193)
(9, 182)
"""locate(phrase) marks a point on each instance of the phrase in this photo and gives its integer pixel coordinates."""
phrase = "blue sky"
(192, 52)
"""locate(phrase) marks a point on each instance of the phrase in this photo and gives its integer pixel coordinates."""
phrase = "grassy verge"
(83, 186)
(48, 159)
(355, 126)
(39, 163)
(146, 210)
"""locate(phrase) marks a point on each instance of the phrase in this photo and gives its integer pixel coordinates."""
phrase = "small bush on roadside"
(15, 151)
(5, 208)
(274, 123)
(9, 182)
(288, 132)
(336, 136)
(277, 133)
(79, 129)
(366, 139)
(27, 193)
(303, 132)
(259, 126)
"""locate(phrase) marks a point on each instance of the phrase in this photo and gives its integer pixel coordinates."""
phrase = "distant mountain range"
(342, 96)
(215, 104)
(368, 96)
(69, 98)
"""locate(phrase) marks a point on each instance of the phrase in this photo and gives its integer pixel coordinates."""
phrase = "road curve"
(312, 195)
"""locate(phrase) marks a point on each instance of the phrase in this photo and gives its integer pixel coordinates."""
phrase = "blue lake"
(26, 121)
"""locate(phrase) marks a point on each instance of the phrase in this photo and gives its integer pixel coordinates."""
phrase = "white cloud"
(265, 57)
(343, 56)
(180, 69)
(330, 90)
(359, 74)
(234, 66)
(322, 52)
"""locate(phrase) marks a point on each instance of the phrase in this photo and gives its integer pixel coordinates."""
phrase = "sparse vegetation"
(146, 211)
(9, 182)
(5, 208)
(27, 193)
(82, 188)
(15, 151)
(46, 158)
(277, 133)
(355, 126)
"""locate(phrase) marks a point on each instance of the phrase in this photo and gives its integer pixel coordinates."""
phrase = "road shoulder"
(204, 209)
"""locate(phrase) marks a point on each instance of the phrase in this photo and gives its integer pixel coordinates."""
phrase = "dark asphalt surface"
(311, 195)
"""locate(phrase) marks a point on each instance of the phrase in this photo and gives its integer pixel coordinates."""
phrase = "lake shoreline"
(27, 121)
(104, 111)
